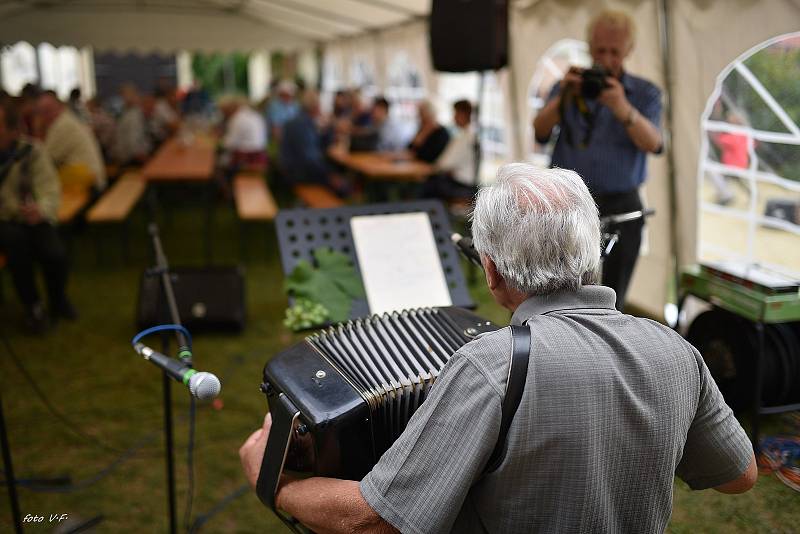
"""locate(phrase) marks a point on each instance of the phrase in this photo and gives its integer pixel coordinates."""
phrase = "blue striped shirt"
(610, 163)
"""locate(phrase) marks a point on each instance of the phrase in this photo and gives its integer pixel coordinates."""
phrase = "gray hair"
(616, 20)
(540, 227)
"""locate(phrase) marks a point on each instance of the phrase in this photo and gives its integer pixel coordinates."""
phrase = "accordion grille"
(392, 359)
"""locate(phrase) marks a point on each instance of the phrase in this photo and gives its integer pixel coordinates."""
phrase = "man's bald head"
(610, 35)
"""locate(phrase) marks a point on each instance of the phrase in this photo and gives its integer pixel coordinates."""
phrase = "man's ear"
(493, 278)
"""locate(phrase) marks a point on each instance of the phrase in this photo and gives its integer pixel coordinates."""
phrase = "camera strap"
(588, 115)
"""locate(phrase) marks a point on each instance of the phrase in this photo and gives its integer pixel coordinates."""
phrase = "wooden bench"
(73, 200)
(115, 206)
(317, 196)
(117, 201)
(254, 201)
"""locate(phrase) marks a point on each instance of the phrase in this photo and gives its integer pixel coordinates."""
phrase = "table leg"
(209, 222)
(756, 415)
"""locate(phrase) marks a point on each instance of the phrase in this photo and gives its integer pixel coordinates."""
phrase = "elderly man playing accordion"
(613, 406)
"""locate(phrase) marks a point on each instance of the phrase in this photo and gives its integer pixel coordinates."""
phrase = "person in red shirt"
(734, 152)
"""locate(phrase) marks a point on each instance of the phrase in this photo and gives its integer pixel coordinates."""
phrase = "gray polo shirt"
(614, 406)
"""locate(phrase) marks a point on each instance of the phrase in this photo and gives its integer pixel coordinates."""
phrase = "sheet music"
(399, 262)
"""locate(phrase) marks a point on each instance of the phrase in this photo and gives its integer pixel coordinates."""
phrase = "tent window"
(494, 141)
(60, 68)
(550, 69)
(362, 76)
(332, 80)
(749, 169)
(404, 88)
(18, 67)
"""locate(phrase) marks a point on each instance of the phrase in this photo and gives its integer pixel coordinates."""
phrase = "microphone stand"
(8, 468)
(161, 269)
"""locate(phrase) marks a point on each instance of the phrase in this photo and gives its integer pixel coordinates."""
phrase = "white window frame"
(751, 175)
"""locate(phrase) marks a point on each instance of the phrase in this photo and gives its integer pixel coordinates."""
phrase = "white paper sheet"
(399, 262)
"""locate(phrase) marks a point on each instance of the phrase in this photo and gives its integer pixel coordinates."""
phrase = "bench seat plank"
(317, 196)
(254, 201)
(72, 202)
(118, 201)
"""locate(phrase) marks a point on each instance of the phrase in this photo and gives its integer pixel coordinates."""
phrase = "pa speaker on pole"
(469, 35)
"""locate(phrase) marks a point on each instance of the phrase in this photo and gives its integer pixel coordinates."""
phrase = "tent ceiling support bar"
(389, 7)
(664, 30)
(318, 13)
(518, 151)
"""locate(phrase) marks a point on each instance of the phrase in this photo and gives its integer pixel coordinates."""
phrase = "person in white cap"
(282, 108)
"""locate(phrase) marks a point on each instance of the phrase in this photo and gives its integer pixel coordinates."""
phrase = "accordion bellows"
(356, 385)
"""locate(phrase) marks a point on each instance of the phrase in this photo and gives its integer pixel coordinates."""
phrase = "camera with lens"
(593, 81)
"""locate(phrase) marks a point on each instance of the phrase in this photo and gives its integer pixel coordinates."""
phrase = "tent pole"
(664, 30)
(516, 145)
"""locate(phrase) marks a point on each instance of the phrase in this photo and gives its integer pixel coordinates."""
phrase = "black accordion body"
(340, 398)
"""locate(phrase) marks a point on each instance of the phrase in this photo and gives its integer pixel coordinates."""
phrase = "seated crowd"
(50, 148)
(303, 136)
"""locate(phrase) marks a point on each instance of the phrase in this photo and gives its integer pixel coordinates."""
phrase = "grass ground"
(89, 372)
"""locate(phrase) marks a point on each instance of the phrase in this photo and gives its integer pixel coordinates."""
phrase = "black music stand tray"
(302, 230)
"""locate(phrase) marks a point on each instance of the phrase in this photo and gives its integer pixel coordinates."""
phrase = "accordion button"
(321, 374)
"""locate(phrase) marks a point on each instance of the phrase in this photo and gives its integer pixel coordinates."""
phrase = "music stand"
(301, 231)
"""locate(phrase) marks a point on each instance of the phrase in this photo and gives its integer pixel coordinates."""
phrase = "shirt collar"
(598, 297)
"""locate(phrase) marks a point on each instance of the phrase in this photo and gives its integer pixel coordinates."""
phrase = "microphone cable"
(202, 519)
(162, 327)
(64, 485)
(187, 514)
(71, 487)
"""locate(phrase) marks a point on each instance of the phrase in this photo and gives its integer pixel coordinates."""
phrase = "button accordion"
(340, 398)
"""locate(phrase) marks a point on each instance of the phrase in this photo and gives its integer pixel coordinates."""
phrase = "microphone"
(464, 246)
(202, 385)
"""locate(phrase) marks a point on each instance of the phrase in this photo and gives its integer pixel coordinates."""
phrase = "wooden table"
(383, 165)
(179, 162)
(176, 161)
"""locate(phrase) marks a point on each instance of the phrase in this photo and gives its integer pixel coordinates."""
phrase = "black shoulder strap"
(26, 181)
(517, 375)
(20, 150)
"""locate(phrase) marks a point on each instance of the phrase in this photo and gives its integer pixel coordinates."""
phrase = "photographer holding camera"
(608, 123)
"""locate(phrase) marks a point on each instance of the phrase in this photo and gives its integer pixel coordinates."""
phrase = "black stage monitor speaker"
(469, 35)
(208, 298)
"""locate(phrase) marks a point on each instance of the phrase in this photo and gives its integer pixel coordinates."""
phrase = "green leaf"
(339, 267)
(333, 284)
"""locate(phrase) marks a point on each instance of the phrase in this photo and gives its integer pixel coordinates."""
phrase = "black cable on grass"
(70, 425)
(225, 501)
(123, 455)
(85, 483)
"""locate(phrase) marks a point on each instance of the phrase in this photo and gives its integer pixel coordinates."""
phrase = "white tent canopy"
(201, 25)
(692, 41)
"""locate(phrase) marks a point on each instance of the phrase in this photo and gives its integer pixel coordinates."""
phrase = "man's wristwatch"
(628, 122)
